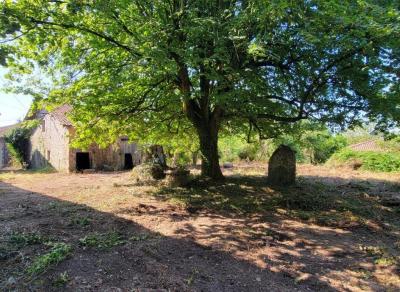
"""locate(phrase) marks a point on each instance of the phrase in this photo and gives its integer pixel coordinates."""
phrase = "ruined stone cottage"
(50, 146)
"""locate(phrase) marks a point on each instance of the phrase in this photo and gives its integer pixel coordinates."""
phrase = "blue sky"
(12, 107)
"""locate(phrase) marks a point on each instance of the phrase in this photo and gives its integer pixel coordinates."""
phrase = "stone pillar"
(282, 167)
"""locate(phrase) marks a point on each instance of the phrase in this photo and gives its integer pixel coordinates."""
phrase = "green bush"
(369, 160)
(248, 152)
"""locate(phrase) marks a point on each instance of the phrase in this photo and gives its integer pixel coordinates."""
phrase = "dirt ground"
(336, 230)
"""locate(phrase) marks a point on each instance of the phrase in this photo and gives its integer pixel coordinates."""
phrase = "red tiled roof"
(366, 146)
(60, 114)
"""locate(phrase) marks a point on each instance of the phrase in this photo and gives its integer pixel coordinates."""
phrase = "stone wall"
(4, 157)
(49, 145)
(109, 158)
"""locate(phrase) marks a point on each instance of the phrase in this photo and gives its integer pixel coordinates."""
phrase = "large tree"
(155, 66)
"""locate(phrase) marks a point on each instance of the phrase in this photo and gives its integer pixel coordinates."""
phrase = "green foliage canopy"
(156, 68)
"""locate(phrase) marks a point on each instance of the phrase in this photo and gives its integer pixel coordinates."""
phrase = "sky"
(13, 107)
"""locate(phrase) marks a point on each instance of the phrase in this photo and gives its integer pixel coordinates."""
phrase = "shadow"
(312, 197)
(322, 230)
(214, 247)
(143, 258)
(38, 162)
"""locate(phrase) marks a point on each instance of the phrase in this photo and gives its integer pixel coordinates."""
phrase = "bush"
(249, 152)
(369, 160)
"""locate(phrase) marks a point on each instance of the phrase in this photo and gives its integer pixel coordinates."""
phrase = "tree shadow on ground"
(111, 253)
(215, 249)
(316, 199)
(325, 228)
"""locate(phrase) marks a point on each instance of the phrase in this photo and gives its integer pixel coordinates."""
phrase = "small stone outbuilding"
(50, 146)
(282, 167)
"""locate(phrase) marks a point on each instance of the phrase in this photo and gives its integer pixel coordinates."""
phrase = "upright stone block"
(282, 167)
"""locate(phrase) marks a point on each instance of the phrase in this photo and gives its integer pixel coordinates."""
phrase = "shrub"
(369, 160)
(249, 152)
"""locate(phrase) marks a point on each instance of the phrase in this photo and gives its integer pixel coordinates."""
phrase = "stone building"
(50, 146)
(4, 156)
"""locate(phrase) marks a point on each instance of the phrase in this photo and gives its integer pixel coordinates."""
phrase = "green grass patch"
(58, 253)
(102, 240)
(368, 160)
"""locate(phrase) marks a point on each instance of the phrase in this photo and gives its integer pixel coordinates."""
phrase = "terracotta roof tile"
(60, 114)
(366, 146)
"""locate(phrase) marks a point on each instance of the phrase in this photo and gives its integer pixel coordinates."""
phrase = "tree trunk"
(194, 157)
(209, 153)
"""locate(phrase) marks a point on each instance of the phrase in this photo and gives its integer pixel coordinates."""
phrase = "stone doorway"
(82, 160)
(128, 164)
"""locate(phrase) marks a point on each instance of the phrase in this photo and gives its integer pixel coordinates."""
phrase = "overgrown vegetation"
(18, 142)
(367, 160)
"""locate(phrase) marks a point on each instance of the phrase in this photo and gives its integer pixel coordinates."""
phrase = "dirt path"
(125, 237)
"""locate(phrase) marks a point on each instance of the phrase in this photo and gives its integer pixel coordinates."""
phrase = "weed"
(380, 255)
(58, 253)
(22, 239)
(140, 237)
(102, 241)
(386, 261)
(191, 277)
(373, 250)
(80, 221)
(61, 280)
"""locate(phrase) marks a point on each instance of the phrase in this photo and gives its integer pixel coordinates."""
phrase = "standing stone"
(282, 167)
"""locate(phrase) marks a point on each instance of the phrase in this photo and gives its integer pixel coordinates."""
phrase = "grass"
(102, 240)
(58, 253)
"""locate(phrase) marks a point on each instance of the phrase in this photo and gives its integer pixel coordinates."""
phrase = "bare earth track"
(333, 231)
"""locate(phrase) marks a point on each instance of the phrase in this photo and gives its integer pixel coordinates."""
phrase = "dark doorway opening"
(82, 160)
(128, 161)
